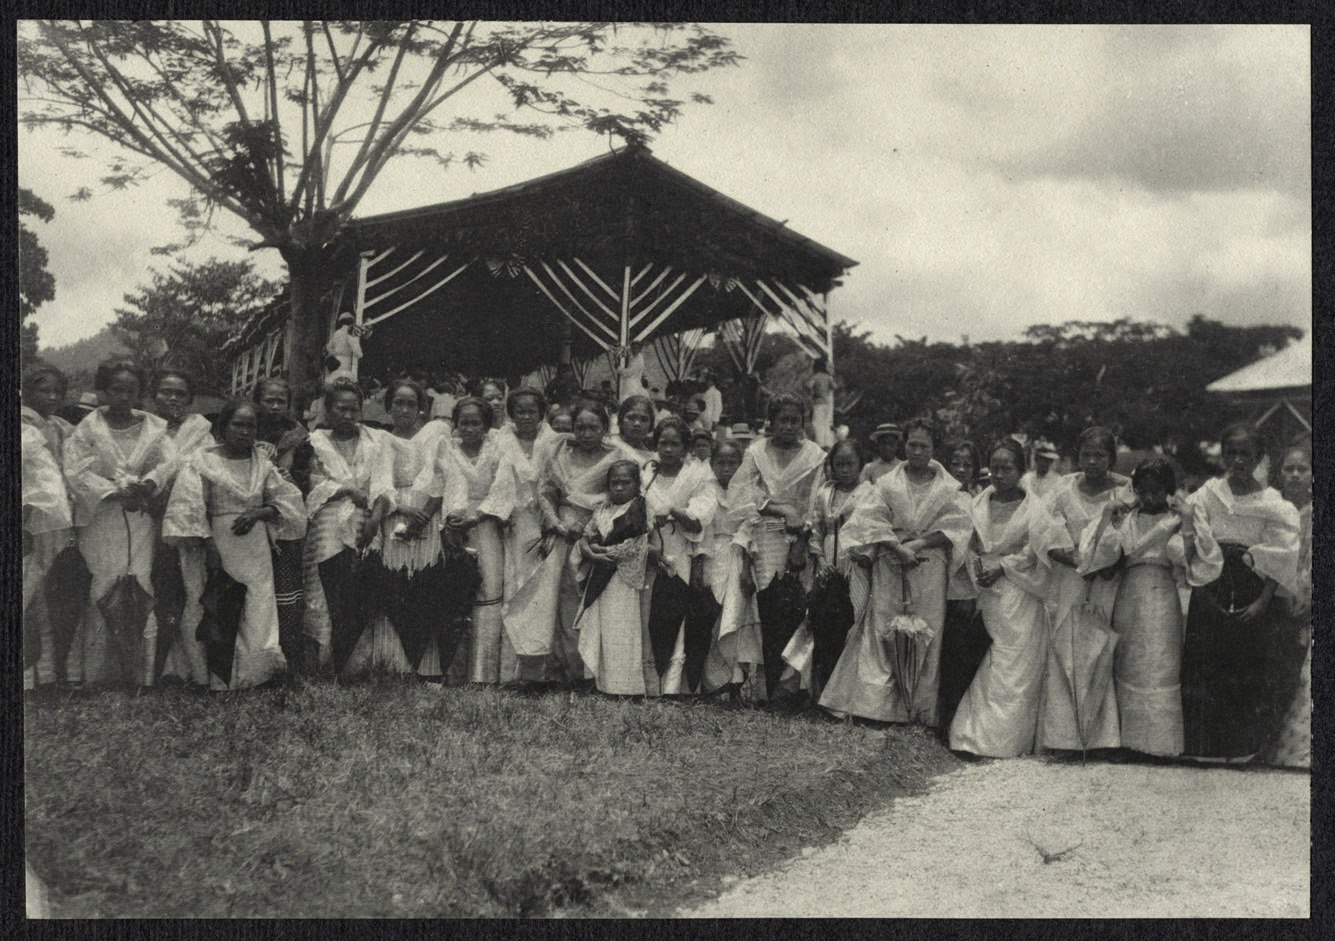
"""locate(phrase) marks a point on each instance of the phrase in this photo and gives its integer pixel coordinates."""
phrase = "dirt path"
(1142, 841)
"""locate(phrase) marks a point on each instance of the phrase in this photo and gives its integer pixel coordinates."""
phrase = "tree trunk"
(309, 274)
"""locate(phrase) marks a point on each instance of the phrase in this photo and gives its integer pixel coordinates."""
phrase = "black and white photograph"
(610, 470)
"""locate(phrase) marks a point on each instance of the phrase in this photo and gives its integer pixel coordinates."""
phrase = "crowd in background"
(609, 541)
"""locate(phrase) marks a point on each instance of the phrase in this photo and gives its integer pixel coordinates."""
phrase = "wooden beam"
(574, 279)
(681, 299)
(429, 291)
(575, 302)
(599, 281)
(624, 320)
(391, 273)
(413, 280)
(635, 301)
(649, 308)
(602, 344)
(643, 271)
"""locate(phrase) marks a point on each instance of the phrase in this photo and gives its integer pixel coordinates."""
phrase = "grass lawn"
(396, 799)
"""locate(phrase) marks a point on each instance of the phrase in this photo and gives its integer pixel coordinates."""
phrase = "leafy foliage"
(188, 312)
(79, 360)
(36, 283)
(1145, 380)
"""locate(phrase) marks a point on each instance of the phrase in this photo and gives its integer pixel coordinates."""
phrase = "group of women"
(498, 549)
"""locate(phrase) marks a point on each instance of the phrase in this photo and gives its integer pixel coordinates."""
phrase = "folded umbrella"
(460, 581)
(413, 604)
(125, 609)
(830, 617)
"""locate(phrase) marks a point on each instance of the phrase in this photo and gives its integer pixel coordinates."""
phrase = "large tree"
(248, 114)
(36, 284)
(188, 312)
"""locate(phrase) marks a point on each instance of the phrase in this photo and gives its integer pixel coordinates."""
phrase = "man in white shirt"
(443, 397)
(632, 374)
(713, 401)
(886, 438)
(345, 347)
(1042, 479)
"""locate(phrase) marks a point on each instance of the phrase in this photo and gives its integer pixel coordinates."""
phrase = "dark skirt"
(964, 644)
(1235, 676)
(782, 606)
(290, 591)
(667, 610)
(168, 602)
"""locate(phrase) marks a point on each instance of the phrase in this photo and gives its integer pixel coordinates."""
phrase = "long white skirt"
(46, 546)
(612, 640)
(863, 682)
(1068, 590)
(257, 656)
(998, 716)
(186, 659)
(540, 616)
(736, 646)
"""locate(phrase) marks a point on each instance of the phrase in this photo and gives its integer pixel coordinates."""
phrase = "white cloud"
(986, 178)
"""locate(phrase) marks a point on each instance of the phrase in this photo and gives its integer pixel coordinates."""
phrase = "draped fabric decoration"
(423, 276)
(676, 352)
(742, 339)
(794, 307)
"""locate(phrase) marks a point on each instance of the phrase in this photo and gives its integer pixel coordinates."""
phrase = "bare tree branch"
(331, 112)
(333, 52)
(280, 171)
(360, 156)
(159, 151)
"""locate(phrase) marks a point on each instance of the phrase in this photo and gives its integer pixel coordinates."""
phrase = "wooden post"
(359, 312)
(829, 334)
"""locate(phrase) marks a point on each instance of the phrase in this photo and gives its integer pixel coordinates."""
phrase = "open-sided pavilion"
(622, 248)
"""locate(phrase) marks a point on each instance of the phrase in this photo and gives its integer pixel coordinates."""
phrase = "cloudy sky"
(985, 177)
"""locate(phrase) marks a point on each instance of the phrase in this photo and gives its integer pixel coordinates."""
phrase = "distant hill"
(79, 359)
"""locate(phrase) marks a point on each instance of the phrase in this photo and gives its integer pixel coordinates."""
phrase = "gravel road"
(1139, 841)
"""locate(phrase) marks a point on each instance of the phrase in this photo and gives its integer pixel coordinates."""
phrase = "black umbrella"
(66, 588)
(782, 606)
(829, 617)
(224, 600)
(355, 588)
(702, 613)
(460, 580)
(413, 602)
(125, 609)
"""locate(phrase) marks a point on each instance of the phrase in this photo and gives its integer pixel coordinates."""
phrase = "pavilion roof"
(626, 200)
(1290, 368)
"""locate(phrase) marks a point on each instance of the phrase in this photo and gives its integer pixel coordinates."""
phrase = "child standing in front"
(614, 551)
(1156, 537)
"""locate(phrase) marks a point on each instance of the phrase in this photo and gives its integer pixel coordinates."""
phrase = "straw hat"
(886, 428)
(740, 431)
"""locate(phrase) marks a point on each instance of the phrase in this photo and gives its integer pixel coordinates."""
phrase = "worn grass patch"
(395, 799)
